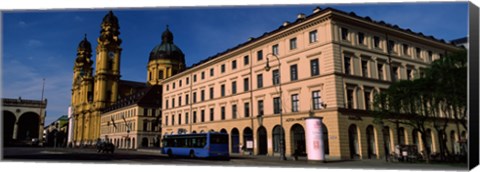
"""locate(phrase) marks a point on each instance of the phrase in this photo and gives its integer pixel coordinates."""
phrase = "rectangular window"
(293, 72)
(405, 49)
(376, 42)
(368, 103)
(222, 68)
(395, 73)
(202, 115)
(245, 84)
(295, 103)
(364, 68)
(179, 119)
(344, 33)
(276, 77)
(166, 104)
(234, 64)
(260, 107)
(173, 102)
(180, 83)
(277, 108)
(259, 81)
(211, 114)
(391, 46)
(418, 51)
(314, 67)
(430, 57)
(194, 97)
(202, 76)
(259, 55)
(179, 100)
(349, 99)
(173, 85)
(173, 119)
(312, 36)
(234, 111)
(186, 118)
(211, 93)
(186, 99)
(202, 95)
(317, 101)
(380, 71)
(293, 43)
(245, 60)
(234, 87)
(211, 71)
(145, 123)
(361, 38)
(275, 49)
(195, 78)
(223, 112)
(347, 65)
(188, 81)
(222, 90)
(246, 109)
(409, 74)
(194, 117)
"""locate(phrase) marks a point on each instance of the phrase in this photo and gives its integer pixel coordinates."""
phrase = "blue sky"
(42, 44)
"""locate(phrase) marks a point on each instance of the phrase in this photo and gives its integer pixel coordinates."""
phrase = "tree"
(437, 97)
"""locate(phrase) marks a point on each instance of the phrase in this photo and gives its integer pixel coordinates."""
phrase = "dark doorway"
(235, 140)
(298, 140)
(262, 141)
(353, 142)
(372, 153)
(277, 135)
(247, 138)
(144, 142)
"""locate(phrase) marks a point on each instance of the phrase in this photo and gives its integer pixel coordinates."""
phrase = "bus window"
(219, 139)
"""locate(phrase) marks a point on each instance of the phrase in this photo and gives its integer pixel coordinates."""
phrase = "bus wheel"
(192, 154)
(169, 153)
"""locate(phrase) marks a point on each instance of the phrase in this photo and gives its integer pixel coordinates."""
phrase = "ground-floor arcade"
(345, 136)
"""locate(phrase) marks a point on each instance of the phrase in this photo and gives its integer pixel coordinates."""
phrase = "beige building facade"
(132, 123)
(328, 64)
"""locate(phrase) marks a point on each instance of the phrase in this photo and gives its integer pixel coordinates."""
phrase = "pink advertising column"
(314, 141)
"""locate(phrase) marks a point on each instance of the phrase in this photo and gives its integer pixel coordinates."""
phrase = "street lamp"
(267, 68)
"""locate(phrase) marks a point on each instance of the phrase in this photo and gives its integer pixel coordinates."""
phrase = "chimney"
(286, 23)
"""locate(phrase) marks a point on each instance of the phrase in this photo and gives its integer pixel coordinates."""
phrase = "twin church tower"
(93, 93)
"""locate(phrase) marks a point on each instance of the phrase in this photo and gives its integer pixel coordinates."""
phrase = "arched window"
(353, 142)
(372, 152)
(401, 136)
(277, 134)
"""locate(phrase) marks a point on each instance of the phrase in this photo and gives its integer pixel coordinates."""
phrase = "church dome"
(111, 19)
(167, 49)
(84, 45)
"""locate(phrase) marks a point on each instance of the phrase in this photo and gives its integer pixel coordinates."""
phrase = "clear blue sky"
(42, 44)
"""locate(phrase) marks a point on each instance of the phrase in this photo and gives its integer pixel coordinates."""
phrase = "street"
(153, 157)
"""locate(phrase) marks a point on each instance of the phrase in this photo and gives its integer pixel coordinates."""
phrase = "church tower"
(107, 73)
(82, 88)
(166, 59)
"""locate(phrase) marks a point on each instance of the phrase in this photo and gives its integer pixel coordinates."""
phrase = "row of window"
(314, 65)
(392, 46)
(246, 61)
(277, 109)
(380, 68)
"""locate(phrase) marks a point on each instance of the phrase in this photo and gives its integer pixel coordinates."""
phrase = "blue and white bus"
(203, 145)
